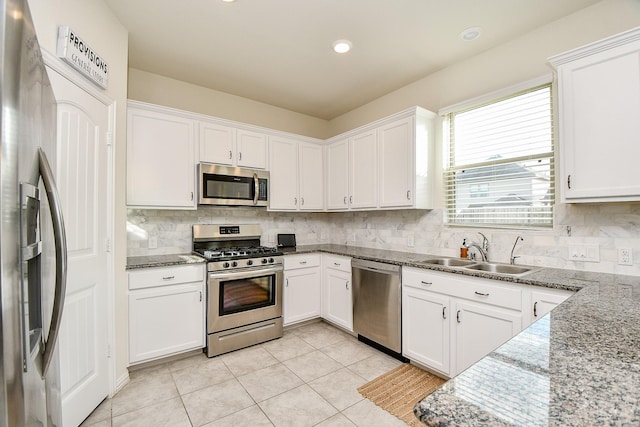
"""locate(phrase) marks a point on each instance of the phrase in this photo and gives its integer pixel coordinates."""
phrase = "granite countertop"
(135, 262)
(578, 365)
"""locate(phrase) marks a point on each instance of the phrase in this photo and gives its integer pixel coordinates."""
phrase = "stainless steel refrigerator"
(32, 239)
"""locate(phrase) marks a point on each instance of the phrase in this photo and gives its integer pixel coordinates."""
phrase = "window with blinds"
(500, 170)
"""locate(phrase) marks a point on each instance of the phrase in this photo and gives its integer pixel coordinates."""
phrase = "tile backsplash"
(609, 226)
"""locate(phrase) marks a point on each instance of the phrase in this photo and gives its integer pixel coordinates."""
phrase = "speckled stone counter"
(134, 262)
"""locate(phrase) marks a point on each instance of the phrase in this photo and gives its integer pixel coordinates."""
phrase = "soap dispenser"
(464, 249)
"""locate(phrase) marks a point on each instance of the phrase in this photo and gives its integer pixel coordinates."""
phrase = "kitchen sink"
(449, 262)
(514, 270)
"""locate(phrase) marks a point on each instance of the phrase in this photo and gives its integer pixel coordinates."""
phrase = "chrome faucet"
(513, 258)
(482, 248)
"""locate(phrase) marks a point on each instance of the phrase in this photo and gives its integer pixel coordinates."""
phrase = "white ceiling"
(279, 51)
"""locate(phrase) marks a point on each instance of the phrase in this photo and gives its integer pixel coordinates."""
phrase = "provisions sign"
(73, 50)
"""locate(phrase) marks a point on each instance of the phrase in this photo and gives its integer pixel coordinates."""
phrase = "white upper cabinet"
(385, 165)
(161, 159)
(337, 174)
(405, 162)
(251, 149)
(296, 180)
(226, 145)
(599, 107)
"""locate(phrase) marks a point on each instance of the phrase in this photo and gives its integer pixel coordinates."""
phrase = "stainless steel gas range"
(244, 286)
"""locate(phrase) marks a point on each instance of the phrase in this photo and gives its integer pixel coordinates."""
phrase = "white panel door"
(311, 183)
(283, 178)
(363, 171)
(338, 299)
(338, 175)
(217, 143)
(252, 149)
(301, 299)
(395, 163)
(426, 328)
(480, 329)
(83, 166)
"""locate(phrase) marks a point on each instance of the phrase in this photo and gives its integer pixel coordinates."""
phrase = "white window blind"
(501, 170)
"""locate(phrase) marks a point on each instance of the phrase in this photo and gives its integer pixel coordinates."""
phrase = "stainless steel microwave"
(229, 186)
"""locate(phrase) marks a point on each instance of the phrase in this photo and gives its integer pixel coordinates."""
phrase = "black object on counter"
(286, 240)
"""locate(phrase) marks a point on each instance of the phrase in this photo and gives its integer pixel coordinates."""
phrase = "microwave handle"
(256, 189)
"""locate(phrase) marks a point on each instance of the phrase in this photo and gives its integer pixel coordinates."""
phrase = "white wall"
(93, 20)
(155, 89)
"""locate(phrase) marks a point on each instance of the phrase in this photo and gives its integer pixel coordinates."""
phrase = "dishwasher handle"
(379, 267)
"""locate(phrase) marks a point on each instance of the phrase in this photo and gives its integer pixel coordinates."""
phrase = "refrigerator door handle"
(61, 259)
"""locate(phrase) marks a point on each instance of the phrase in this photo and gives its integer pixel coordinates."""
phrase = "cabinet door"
(396, 163)
(599, 128)
(311, 182)
(165, 320)
(283, 179)
(301, 295)
(338, 175)
(160, 160)
(338, 306)
(480, 329)
(217, 144)
(251, 149)
(363, 171)
(426, 328)
(543, 301)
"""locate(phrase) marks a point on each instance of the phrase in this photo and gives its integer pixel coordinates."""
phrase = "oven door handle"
(244, 273)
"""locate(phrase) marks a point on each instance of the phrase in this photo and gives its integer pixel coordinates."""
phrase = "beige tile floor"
(308, 377)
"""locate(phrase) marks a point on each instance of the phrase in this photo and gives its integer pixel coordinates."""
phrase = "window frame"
(549, 156)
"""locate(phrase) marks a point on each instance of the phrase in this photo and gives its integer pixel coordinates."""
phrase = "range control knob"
(225, 265)
(271, 260)
(250, 262)
(264, 260)
(234, 264)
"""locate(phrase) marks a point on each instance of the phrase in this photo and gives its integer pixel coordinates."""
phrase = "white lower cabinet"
(166, 311)
(543, 300)
(302, 283)
(337, 302)
(426, 326)
(450, 322)
(480, 329)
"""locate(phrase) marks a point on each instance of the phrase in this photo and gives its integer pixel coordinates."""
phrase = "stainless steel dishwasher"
(377, 298)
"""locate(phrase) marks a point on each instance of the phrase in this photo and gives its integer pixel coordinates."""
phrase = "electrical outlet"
(153, 242)
(410, 242)
(584, 252)
(625, 256)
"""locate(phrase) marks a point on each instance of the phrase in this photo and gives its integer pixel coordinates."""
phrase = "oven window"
(246, 294)
(228, 187)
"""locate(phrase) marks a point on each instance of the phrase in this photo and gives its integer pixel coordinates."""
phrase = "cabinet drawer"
(471, 288)
(291, 262)
(336, 262)
(164, 276)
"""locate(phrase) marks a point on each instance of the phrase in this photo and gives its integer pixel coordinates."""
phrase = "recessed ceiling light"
(341, 46)
(470, 33)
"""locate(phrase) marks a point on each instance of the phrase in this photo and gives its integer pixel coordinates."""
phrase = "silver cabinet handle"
(569, 181)
(481, 294)
(230, 154)
(200, 296)
(287, 283)
(345, 200)
(337, 264)
(301, 201)
(60, 237)
(256, 187)
(444, 316)
(535, 309)
(240, 155)
(426, 283)
(408, 194)
(458, 316)
(192, 196)
(168, 277)
(295, 201)
(351, 199)
(346, 285)
(303, 262)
